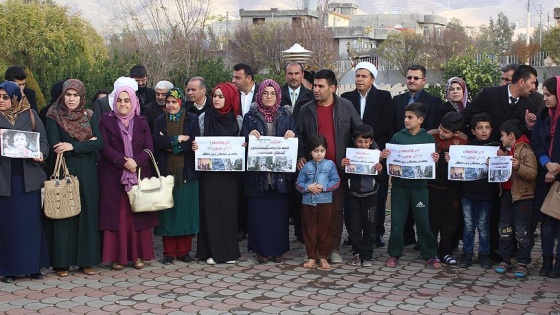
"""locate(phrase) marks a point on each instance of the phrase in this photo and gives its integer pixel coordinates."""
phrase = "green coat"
(76, 241)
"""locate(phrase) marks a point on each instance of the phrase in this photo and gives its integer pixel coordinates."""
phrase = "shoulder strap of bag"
(153, 162)
(56, 172)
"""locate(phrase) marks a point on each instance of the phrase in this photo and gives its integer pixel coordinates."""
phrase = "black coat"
(305, 96)
(189, 106)
(400, 101)
(31, 98)
(495, 101)
(378, 113)
(152, 111)
(100, 106)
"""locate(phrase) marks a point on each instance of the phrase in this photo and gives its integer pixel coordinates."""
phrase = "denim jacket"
(323, 173)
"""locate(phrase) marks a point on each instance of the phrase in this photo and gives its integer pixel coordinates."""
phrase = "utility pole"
(540, 25)
(528, 37)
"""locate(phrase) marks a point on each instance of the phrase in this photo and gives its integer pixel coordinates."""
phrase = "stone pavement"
(249, 288)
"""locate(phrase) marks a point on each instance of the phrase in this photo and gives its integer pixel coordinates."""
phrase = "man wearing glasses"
(415, 81)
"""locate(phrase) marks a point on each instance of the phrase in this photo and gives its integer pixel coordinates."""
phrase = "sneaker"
(366, 263)
(210, 261)
(335, 258)
(504, 267)
(230, 262)
(357, 261)
(521, 271)
(449, 260)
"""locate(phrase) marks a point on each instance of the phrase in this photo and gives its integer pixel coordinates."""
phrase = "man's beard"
(141, 89)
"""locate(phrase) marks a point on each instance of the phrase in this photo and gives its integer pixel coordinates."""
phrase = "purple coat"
(111, 166)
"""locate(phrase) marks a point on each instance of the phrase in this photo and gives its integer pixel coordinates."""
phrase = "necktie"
(512, 101)
(412, 99)
(294, 98)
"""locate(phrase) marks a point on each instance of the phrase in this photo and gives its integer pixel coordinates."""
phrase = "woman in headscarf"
(173, 135)
(219, 191)
(268, 192)
(127, 236)
(71, 130)
(457, 97)
(23, 247)
(545, 142)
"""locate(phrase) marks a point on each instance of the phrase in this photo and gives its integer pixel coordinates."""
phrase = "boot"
(555, 273)
(485, 261)
(546, 266)
(466, 260)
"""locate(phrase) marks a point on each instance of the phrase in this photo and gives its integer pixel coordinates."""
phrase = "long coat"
(378, 112)
(111, 166)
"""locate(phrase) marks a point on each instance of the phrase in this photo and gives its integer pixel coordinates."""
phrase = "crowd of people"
(106, 144)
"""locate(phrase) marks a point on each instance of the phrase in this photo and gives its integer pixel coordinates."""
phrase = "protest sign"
(469, 162)
(362, 161)
(220, 154)
(272, 154)
(499, 169)
(412, 161)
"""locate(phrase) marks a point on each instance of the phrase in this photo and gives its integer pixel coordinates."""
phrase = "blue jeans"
(550, 231)
(476, 215)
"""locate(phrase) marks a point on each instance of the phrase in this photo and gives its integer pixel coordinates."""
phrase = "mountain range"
(106, 15)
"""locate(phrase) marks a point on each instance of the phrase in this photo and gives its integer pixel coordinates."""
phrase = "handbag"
(152, 194)
(551, 204)
(62, 193)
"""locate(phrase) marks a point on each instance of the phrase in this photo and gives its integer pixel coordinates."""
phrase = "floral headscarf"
(19, 103)
(461, 104)
(178, 95)
(267, 111)
(76, 122)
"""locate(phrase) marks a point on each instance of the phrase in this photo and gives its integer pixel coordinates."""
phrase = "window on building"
(297, 21)
(258, 21)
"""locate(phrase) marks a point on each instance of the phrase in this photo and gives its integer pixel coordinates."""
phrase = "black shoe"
(555, 273)
(347, 242)
(379, 241)
(277, 259)
(241, 236)
(187, 258)
(546, 266)
(167, 260)
(9, 279)
(37, 276)
(484, 260)
(466, 260)
(262, 259)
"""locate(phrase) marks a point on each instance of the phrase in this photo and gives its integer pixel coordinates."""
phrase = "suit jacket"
(378, 112)
(495, 101)
(31, 98)
(400, 101)
(305, 96)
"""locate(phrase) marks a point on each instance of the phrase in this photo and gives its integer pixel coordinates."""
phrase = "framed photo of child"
(20, 144)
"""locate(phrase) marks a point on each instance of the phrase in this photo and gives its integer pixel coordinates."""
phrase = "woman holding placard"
(268, 192)
(217, 239)
(23, 247)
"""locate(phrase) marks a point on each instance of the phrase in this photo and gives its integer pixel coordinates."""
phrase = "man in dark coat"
(197, 100)
(376, 109)
(18, 76)
(293, 92)
(507, 75)
(145, 94)
(415, 82)
(156, 108)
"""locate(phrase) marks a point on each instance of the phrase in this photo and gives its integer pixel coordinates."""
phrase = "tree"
(51, 43)
(477, 72)
(551, 43)
(402, 49)
(496, 37)
(443, 44)
(523, 52)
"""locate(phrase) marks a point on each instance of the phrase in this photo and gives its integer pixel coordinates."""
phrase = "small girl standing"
(317, 180)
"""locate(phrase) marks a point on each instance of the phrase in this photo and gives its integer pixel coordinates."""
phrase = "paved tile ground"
(287, 288)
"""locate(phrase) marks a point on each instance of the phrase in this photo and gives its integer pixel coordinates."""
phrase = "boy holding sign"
(517, 200)
(362, 202)
(411, 194)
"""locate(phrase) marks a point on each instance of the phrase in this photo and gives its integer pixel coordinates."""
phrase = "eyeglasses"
(272, 94)
(5, 96)
(411, 78)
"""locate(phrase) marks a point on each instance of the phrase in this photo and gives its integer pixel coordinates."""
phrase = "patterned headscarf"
(178, 95)
(268, 111)
(232, 101)
(19, 103)
(76, 122)
(461, 104)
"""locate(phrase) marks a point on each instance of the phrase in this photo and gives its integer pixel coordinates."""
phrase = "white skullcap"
(368, 66)
(120, 82)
